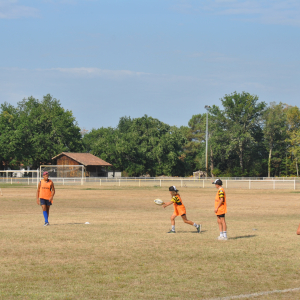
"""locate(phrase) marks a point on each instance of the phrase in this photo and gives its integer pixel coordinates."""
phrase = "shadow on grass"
(202, 231)
(69, 224)
(243, 237)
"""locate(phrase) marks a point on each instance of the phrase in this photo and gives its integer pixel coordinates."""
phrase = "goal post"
(63, 172)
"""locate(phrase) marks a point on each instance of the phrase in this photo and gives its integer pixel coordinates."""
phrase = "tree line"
(246, 137)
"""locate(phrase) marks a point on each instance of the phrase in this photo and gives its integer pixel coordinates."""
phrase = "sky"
(106, 59)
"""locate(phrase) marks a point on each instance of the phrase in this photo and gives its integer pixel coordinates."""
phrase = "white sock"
(221, 233)
(225, 234)
(196, 225)
(173, 227)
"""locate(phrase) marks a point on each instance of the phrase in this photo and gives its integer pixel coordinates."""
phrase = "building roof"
(86, 159)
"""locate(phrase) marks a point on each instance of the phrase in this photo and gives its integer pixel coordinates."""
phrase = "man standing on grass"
(44, 195)
(221, 209)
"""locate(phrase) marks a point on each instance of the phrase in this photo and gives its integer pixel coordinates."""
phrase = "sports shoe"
(199, 228)
(46, 224)
(171, 231)
(220, 238)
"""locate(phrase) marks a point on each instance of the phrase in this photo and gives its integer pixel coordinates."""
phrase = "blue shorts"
(45, 202)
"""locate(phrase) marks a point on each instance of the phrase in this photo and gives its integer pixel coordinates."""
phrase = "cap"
(173, 188)
(45, 173)
(218, 182)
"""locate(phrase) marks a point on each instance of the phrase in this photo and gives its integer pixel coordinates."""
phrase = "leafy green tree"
(294, 140)
(293, 133)
(8, 123)
(275, 131)
(194, 149)
(41, 130)
(139, 146)
(242, 128)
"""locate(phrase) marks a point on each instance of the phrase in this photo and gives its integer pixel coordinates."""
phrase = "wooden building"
(93, 165)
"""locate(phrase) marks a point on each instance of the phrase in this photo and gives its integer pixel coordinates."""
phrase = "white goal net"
(63, 173)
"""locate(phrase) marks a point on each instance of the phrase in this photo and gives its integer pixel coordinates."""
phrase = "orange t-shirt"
(223, 207)
(179, 208)
(45, 189)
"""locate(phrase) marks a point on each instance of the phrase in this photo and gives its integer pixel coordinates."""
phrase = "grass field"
(125, 252)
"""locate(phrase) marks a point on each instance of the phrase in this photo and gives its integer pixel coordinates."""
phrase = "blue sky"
(167, 58)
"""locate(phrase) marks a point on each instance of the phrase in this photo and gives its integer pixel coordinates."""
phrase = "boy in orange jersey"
(44, 195)
(298, 230)
(221, 209)
(179, 210)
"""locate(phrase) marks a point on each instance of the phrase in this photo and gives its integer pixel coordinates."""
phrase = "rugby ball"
(159, 202)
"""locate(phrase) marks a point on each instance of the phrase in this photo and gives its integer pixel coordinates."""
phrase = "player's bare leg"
(220, 224)
(173, 219)
(48, 209)
(185, 220)
(223, 223)
(222, 228)
(298, 230)
(172, 223)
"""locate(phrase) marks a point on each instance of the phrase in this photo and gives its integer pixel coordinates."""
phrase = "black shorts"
(45, 202)
(221, 216)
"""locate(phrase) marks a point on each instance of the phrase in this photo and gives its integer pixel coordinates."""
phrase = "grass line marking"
(256, 294)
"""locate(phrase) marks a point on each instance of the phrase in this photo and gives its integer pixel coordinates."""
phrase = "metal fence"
(32, 178)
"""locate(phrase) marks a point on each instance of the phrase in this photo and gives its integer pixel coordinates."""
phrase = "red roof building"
(93, 165)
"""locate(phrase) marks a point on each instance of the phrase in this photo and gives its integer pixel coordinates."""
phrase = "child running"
(179, 210)
(221, 209)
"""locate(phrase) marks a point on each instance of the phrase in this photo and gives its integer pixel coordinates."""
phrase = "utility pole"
(207, 107)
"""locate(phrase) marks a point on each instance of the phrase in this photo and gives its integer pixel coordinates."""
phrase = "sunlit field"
(126, 253)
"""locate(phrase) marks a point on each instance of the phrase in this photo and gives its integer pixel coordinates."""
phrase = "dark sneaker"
(46, 224)
(199, 228)
(171, 231)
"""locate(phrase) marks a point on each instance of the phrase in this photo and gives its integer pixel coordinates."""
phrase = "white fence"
(32, 177)
(27, 177)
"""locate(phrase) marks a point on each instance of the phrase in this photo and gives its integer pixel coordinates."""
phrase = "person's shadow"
(242, 237)
(68, 224)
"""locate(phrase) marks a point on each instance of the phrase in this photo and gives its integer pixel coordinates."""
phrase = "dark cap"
(173, 188)
(218, 182)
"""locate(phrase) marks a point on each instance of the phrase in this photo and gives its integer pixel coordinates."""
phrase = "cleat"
(171, 231)
(199, 228)
(220, 238)
(46, 224)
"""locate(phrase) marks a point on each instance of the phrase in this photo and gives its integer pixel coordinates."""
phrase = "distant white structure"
(199, 174)
(116, 174)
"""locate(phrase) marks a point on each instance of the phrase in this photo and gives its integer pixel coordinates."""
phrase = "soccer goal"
(64, 174)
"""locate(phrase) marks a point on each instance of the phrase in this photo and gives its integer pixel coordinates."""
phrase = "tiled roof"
(86, 159)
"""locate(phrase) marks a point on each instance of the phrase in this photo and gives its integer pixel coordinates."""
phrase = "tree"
(274, 129)
(194, 149)
(139, 146)
(241, 117)
(41, 130)
(294, 149)
(293, 132)
(8, 123)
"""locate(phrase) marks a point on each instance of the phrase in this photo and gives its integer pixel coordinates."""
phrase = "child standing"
(179, 210)
(221, 209)
(44, 196)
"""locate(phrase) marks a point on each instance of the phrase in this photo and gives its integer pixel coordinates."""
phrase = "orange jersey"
(223, 207)
(45, 189)
(179, 208)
